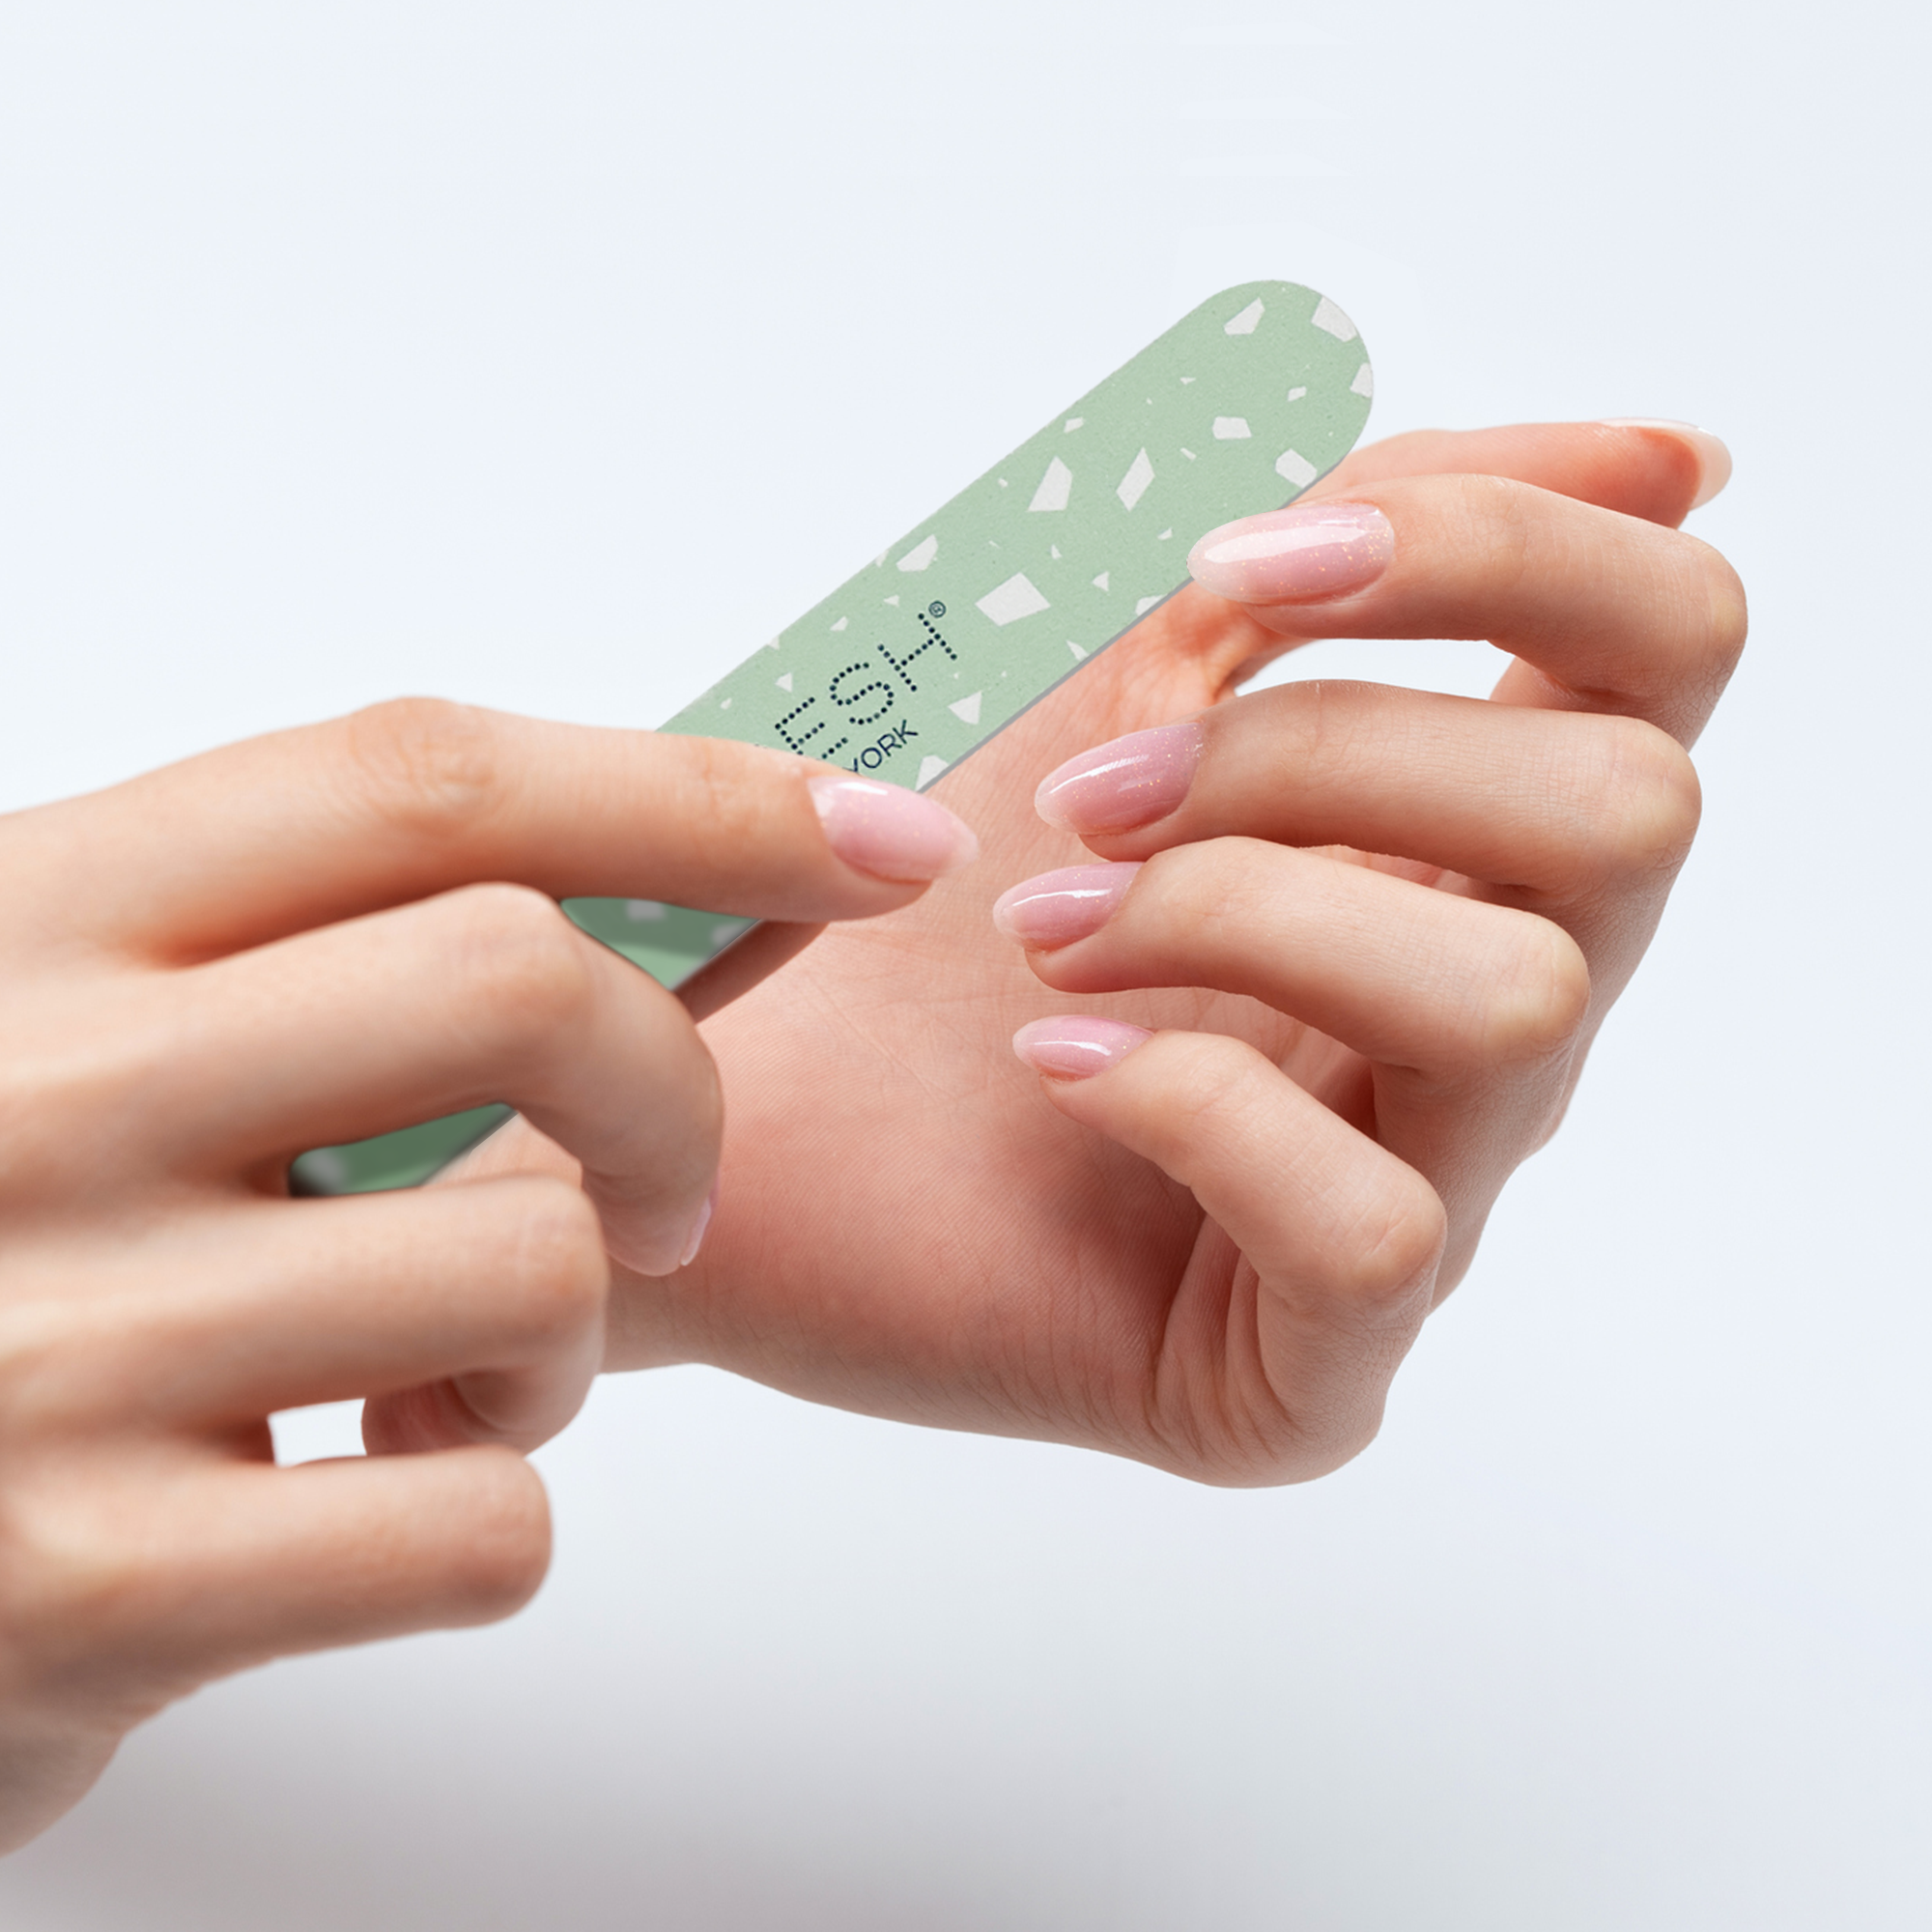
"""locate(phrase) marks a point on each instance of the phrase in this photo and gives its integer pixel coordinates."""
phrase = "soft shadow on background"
(357, 349)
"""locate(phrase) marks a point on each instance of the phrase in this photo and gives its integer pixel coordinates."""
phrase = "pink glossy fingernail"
(1076, 1046)
(1056, 908)
(699, 1228)
(1302, 554)
(1127, 782)
(1714, 458)
(891, 832)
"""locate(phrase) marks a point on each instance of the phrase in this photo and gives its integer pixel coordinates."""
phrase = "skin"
(1212, 1257)
(288, 943)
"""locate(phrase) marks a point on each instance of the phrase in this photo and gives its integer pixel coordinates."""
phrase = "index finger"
(302, 828)
(1640, 466)
(1603, 611)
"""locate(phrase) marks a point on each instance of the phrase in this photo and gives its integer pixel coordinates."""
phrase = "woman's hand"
(301, 940)
(1392, 923)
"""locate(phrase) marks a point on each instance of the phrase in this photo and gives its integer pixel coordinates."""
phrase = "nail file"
(976, 613)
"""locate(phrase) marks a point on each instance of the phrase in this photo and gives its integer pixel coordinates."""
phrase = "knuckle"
(727, 804)
(1538, 997)
(553, 1256)
(35, 1381)
(74, 1582)
(1221, 1098)
(1645, 803)
(1398, 1243)
(520, 966)
(426, 765)
(505, 1545)
(1214, 882)
(1728, 613)
(1501, 523)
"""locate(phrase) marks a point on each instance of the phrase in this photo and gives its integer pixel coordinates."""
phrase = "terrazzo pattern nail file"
(978, 611)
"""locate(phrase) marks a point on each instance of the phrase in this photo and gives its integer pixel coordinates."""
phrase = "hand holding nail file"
(983, 607)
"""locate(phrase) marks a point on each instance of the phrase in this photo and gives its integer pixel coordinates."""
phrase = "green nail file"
(975, 614)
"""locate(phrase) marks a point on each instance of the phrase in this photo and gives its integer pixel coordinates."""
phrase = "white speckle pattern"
(1243, 350)
(1330, 318)
(1016, 598)
(1055, 488)
(1364, 383)
(643, 912)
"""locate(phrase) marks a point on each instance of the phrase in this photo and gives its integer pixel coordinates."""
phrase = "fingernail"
(1056, 908)
(1076, 1046)
(1713, 459)
(695, 1240)
(890, 832)
(1297, 556)
(1128, 781)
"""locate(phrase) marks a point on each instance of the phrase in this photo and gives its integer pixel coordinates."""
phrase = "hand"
(280, 944)
(1213, 1254)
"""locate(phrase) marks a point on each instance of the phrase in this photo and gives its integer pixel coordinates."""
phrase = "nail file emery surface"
(978, 611)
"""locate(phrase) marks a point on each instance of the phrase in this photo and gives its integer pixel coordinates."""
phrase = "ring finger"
(467, 1316)
(1470, 1013)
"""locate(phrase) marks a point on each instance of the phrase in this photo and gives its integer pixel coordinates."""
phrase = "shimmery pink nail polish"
(1127, 782)
(1302, 554)
(1056, 908)
(1714, 458)
(891, 832)
(1076, 1046)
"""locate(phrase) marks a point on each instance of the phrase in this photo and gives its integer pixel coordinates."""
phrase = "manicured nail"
(1076, 1046)
(891, 832)
(695, 1240)
(1299, 555)
(1127, 783)
(1056, 908)
(1713, 460)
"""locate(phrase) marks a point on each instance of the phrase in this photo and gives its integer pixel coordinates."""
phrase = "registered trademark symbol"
(936, 610)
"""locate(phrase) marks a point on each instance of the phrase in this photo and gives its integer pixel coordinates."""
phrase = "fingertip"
(890, 833)
(1307, 554)
(507, 1549)
(1076, 1046)
(1713, 454)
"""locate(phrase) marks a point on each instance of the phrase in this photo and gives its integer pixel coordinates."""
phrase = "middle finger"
(1582, 818)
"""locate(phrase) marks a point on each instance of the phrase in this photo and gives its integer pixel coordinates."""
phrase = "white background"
(552, 356)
